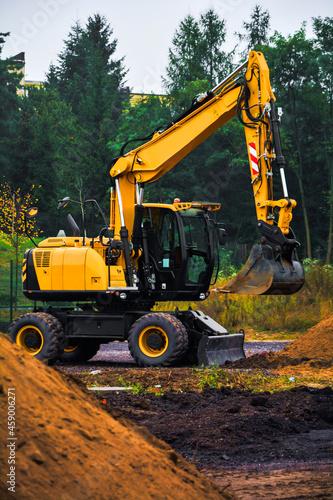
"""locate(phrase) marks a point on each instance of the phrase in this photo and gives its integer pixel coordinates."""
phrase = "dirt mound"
(317, 342)
(312, 350)
(69, 447)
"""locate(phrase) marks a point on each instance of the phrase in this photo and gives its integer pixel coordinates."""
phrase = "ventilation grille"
(43, 258)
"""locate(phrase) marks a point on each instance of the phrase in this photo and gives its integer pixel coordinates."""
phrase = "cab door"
(164, 247)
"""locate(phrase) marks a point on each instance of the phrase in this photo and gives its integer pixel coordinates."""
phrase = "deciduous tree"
(13, 206)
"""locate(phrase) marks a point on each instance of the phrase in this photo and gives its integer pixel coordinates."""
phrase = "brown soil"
(317, 342)
(312, 350)
(266, 446)
(69, 447)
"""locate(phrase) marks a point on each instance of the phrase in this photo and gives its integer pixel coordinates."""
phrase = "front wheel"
(158, 339)
(40, 334)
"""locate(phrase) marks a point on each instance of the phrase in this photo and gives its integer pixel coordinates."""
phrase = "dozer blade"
(218, 349)
(263, 276)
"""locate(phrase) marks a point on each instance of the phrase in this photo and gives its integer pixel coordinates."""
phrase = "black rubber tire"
(171, 336)
(59, 330)
(40, 334)
(86, 349)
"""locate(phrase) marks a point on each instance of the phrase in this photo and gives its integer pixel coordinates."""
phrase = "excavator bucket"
(263, 275)
(218, 349)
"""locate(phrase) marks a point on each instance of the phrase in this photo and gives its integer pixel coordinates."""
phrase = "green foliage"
(216, 62)
(227, 269)
(319, 282)
(185, 63)
(90, 80)
(9, 104)
(196, 54)
(140, 120)
(136, 388)
(256, 30)
(42, 154)
(289, 313)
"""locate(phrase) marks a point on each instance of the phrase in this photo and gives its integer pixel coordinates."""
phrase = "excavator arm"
(273, 266)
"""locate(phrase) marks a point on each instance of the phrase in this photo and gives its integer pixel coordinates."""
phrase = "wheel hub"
(153, 341)
(31, 339)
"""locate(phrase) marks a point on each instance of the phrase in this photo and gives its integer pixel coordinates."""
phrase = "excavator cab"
(182, 247)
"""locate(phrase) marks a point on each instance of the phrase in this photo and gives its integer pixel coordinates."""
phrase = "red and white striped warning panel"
(254, 158)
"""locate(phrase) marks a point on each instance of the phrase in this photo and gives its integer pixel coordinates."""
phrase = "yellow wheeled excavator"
(151, 252)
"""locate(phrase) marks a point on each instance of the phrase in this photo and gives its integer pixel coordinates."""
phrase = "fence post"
(11, 292)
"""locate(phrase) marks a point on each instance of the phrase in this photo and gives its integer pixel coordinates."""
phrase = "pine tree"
(256, 30)
(216, 63)
(91, 81)
(197, 60)
(185, 57)
(9, 105)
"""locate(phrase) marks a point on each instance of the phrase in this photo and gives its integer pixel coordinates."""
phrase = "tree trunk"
(299, 174)
(330, 176)
(329, 243)
(305, 216)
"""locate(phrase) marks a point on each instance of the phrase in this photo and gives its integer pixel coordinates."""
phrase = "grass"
(257, 381)
(271, 317)
(6, 255)
(160, 380)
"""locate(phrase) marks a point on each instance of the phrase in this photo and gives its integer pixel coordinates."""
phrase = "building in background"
(24, 84)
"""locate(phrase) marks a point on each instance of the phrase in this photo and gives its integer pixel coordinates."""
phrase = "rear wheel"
(41, 335)
(80, 350)
(157, 339)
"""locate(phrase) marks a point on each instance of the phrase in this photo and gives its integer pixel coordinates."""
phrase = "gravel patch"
(117, 353)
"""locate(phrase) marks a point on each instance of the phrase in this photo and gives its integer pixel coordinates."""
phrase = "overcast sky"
(144, 28)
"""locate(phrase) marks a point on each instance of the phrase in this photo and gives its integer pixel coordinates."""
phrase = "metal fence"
(12, 300)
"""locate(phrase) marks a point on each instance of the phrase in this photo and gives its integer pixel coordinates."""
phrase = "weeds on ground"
(135, 388)
(271, 313)
(214, 377)
(254, 381)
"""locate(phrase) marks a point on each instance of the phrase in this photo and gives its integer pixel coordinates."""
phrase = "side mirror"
(31, 212)
(63, 203)
(221, 236)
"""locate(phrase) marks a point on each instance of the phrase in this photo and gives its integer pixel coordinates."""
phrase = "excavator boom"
(273, 266)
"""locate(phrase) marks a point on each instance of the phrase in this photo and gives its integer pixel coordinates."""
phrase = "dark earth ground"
(267, 446)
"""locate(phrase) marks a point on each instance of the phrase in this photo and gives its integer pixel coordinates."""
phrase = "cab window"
(163, 237)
